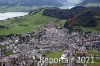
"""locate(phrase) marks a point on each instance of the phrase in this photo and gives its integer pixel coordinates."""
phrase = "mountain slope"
(69, 13)
(83, 19)
(78, 16)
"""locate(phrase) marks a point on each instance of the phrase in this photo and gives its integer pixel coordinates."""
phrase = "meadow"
(28, 23)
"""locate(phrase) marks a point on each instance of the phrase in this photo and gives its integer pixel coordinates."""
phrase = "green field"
(26, 24)
(91, 54)
(54, 55)
(8, 52)
(58, 55)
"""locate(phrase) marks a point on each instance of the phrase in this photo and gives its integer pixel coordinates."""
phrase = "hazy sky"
(70, 3)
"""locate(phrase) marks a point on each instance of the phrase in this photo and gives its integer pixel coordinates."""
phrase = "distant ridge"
(29, 2)
(90, 3)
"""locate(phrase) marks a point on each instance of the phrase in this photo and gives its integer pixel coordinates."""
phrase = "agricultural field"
(54, 55)
(93, 54)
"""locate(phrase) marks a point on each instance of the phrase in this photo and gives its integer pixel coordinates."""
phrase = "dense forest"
(63, 13)
(69, 13)
(85, 19)
(83, 16)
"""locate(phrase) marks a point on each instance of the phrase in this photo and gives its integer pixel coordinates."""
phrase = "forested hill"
(85, 19)
(69, 13)
(84, 16)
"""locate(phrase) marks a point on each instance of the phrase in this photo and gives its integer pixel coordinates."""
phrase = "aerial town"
(49, 32)
(20, 50)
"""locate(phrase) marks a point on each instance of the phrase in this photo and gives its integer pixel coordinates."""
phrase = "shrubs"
(3, 27)
(7, 52)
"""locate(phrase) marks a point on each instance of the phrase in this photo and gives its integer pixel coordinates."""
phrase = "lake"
(4, 16)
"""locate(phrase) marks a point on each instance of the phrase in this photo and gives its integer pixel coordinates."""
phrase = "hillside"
(88, 3)
(32, 22)
(85, 19)
(93, 29)
(38, 18)
(69, 13)
(77, 15)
